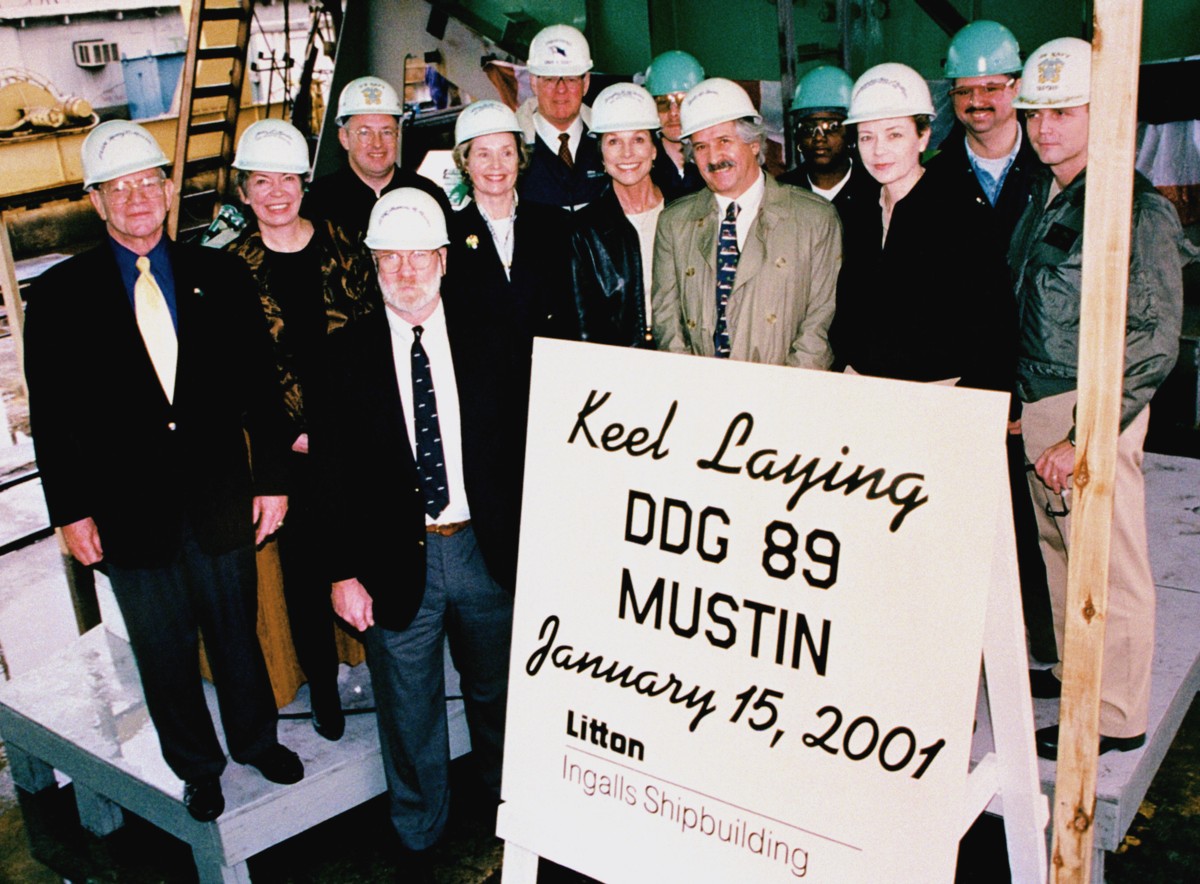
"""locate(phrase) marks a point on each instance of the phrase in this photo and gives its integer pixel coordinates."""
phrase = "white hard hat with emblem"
(559, 51)
(406, 219)
(368, 95)
(1058, 74)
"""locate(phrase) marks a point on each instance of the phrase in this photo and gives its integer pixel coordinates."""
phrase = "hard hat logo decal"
(395, 209)
(372, 94)
(1050, 70)
(558, 47)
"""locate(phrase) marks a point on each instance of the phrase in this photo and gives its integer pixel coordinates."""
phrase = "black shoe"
(203, 799)
(279, 764)
(328, 720)
(1047, 742)
(1044, 685)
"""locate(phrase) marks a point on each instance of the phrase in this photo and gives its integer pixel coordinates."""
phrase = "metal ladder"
(214, 68)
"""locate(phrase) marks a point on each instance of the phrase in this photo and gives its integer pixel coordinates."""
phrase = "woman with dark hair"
(922, 294)
(313, 279)
(612, 247)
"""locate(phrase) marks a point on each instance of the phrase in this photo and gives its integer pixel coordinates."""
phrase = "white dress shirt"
(748, 205)
(436, 343)
(549, 133)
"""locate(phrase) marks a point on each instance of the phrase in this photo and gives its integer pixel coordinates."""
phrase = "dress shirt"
(549, 134)
(160, 266)
(436, 342)
(748, 204)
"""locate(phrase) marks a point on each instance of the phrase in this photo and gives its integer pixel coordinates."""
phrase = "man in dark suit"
(147, 365)
(419, 448)
(565, 168)
(368, 119)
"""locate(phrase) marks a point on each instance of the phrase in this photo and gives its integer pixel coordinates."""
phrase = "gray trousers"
(464, 604)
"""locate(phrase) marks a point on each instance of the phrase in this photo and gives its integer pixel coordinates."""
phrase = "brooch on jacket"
(472, 241)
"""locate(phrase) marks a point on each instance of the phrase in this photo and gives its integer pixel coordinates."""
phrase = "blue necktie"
(431, 462)
(727, 261)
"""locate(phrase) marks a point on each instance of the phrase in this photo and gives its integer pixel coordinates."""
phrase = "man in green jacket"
(1047, 262)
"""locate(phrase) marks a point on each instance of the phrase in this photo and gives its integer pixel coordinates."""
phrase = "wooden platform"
(82, 714)
(1173, 503)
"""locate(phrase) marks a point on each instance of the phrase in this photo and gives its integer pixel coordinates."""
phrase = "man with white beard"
(419, 450)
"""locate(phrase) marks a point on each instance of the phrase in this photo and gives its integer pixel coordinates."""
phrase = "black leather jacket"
(606, 276)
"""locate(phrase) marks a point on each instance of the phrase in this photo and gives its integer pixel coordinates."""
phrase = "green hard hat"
(673, 71)
(823, 88)
(983, 48)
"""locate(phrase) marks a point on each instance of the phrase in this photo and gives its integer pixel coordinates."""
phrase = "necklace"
(504, 246)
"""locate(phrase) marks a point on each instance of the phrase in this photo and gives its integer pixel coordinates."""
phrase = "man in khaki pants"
(1047, 261)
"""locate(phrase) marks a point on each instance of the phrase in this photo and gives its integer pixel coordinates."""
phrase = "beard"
(409, 298)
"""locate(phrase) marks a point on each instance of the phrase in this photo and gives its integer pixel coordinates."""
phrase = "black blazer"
(111, 447)
(372, 505)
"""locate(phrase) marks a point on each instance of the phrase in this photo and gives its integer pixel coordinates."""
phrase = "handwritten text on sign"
(749, 619)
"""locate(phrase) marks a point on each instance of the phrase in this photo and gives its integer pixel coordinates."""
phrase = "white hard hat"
(712, 101)
(622, 107)
(1058, 74)
(116, 148)
(559, 51)
(889, 90)
(406, 218)
(368, 95)
(272, 146)
(483, 118)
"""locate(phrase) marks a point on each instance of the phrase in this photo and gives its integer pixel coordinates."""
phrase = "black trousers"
(305, 589)
(165, 610)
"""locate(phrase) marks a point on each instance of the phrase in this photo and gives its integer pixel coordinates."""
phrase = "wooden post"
(1106, 236)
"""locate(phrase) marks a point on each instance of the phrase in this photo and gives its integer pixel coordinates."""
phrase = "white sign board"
(749, 619)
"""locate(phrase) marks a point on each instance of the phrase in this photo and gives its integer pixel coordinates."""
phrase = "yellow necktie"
(154, 322)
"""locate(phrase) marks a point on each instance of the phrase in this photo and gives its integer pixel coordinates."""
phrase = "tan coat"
(783, 296)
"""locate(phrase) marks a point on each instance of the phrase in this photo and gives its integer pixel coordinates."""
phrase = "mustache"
(717, 167)
(976, 108)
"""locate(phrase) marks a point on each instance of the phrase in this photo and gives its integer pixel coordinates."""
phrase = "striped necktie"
(157, 328)
(727, 261)
(564, 150)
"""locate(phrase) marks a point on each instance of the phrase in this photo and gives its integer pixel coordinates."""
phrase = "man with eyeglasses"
(417, 439)
(819, 108)
(986, 156)
(565, 168)
(668, 79)
(369, 115)
(149, 364)
(988, 160)
(1046, 260)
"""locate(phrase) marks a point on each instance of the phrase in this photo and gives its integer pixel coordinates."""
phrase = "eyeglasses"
(825, 127)
(569, 82)
(390, 262)
(123, 191)
(987, 89)
(367, 136)
(666, 102)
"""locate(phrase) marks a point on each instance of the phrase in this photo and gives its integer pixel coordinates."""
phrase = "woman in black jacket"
(923, 294)
(612, 246)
